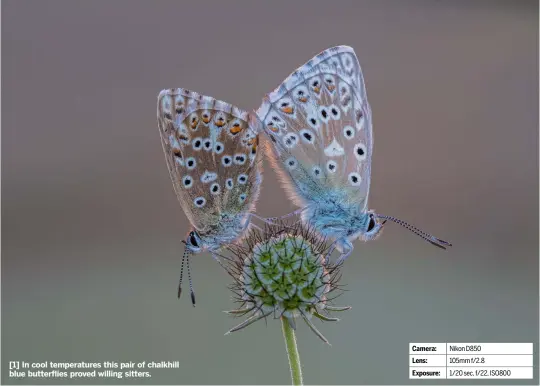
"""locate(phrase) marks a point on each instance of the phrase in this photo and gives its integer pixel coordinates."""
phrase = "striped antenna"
(426, 236)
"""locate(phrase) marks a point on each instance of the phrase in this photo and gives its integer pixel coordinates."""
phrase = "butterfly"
(211, 151)
(320, 129)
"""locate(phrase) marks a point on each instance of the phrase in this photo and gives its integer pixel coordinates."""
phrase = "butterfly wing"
(211, 152)
(319, 124)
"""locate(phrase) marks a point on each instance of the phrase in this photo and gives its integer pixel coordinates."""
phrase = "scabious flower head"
(283, 272)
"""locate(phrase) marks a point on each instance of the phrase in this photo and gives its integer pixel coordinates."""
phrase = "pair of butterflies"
(319, 138)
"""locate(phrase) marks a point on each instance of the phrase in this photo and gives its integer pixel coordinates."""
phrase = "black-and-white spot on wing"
(229, 184)
(242, 197)
(191, 163)
(215, 188)
(218, 148)
(242, 179)
(331, 166)
(208, 177)
(226, 160)
(291, 163)
(360, 152)
(317, 172)
(187, 182)
(335, 112)
(324, 113)
(240, 158)
(349, 132)
(334, 149)
(207, 144)
(307, 136)
(313, 121)
(355, 179)
(290, 140)
(197, 143)
(199, 202)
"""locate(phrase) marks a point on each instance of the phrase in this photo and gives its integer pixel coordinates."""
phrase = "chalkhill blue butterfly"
(319, 124)
(211, 150)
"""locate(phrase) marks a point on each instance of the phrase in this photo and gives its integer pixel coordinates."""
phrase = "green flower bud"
(283, 272)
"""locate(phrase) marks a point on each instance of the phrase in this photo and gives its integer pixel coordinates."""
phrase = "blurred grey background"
(91, 228)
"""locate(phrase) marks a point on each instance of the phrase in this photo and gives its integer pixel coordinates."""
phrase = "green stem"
(292, 352)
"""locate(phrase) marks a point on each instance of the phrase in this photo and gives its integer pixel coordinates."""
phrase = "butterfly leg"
(346, 248)
(296, 212)
(216, 258)
(267, 220)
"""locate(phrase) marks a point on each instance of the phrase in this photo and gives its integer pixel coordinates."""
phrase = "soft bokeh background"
(91, 227)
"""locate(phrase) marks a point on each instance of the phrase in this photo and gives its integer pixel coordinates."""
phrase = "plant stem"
(292, 352)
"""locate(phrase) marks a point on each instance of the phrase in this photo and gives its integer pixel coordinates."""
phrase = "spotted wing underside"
(319, 124)
(211, 150)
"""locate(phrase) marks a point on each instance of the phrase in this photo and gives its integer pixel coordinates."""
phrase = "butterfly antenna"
(186, 251)
(190, 283)
(426, 236)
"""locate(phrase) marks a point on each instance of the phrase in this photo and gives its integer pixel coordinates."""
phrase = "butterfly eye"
(371, 223)
(193, 240)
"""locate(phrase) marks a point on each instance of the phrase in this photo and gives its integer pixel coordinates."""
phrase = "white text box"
(427, 348)
(489, 373)
(427, 372)
(427, 360)
(489, 360)
(489, 348)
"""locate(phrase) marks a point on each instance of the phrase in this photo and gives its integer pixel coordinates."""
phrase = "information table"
(471, 360)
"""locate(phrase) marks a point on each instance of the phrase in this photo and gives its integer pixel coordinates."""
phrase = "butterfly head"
(194, 242)
(371, 229)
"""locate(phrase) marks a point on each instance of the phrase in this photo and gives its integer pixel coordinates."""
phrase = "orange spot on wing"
(302, 99)
(255, 144)
(206, 118)
(331, 87)
(177, 152)
(274, 129)
(317, 89)
(194, 122)
(287, 110)
(220, 123)
(236, 129)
